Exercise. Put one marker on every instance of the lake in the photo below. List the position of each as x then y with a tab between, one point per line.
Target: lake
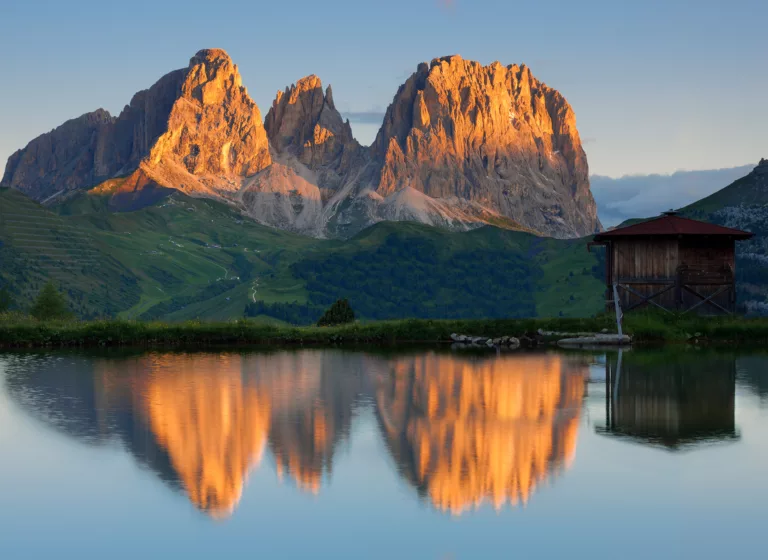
372	454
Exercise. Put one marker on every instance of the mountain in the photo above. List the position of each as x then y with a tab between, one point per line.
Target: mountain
487	139
461	145
195	130
186	258
743	205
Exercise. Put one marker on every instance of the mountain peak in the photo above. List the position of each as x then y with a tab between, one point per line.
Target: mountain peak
192	121
207	56
490	134
462	144
303	120
450	59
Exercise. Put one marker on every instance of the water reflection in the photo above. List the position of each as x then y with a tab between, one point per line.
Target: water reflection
461	430
752	371
464	432
675	400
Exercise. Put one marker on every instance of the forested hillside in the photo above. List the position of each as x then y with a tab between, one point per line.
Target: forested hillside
187	258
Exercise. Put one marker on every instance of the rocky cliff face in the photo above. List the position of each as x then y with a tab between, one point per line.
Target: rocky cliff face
461	145
314	157
304	122
195	130
491	135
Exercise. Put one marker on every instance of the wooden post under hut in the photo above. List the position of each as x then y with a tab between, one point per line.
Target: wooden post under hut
672	263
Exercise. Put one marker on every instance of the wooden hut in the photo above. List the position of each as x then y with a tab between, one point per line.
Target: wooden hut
672	263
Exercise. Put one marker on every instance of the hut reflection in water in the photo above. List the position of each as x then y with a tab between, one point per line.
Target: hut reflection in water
670	401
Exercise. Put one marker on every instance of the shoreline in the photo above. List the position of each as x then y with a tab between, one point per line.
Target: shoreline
646	329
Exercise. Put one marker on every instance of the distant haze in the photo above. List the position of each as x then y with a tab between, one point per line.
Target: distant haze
639	196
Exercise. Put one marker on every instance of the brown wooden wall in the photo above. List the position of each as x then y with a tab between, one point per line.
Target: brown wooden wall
645	258
648	265
709	254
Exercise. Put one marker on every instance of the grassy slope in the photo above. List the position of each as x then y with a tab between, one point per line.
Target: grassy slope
744	191
171	269
197	249
37	245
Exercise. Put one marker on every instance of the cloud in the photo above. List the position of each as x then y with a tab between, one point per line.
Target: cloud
641	196
365	117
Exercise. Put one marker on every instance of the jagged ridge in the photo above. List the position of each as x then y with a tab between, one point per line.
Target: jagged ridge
461	145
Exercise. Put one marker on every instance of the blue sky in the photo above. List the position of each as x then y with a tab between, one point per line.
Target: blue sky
656	86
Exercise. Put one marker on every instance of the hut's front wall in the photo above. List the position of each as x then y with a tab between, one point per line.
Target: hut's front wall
645	259
710	267
709	255
646	266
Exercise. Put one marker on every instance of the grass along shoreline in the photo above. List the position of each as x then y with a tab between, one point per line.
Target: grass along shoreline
23	332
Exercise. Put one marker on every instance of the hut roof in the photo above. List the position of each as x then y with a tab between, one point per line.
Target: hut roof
670	224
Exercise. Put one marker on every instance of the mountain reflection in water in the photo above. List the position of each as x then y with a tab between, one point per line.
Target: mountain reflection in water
462	430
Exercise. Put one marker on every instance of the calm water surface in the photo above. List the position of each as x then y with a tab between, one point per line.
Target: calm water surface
333	454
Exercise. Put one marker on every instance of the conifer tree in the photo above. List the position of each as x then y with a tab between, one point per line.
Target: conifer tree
50	304
338	314
5	299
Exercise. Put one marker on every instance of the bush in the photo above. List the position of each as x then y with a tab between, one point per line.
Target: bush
50	304
338	314
5	300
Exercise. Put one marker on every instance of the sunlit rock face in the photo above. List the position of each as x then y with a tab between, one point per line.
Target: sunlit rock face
494	136
461	145
304	122
466	432
195	130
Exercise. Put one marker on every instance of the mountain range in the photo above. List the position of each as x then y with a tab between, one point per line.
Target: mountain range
473	201
461	145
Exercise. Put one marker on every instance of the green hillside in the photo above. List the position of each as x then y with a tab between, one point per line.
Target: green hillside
186	258
743	205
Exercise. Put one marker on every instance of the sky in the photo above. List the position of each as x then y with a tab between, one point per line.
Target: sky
657	86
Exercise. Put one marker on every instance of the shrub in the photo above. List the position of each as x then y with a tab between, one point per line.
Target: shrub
338	314
50	304
5	300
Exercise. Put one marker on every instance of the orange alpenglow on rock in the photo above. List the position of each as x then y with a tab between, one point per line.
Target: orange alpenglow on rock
195	130
466	432
213	426
461	145
304	122
493	135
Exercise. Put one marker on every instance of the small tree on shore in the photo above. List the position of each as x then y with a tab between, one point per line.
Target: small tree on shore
50	304
5	300
338	314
